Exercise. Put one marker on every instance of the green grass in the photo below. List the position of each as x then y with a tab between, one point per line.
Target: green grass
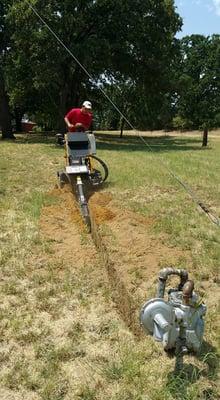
139	179
37	299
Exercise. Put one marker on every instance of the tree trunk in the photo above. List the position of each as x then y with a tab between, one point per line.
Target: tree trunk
64	94
18	117
122	126
5	116
69	92
205	137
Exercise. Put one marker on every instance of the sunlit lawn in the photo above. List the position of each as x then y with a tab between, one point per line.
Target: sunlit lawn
138	180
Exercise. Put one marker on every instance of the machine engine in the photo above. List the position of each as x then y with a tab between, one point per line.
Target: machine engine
178	321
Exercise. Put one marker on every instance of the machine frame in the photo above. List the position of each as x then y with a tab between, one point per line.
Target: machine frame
80	170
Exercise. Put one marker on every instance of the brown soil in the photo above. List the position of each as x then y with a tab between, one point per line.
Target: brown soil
86	315
139	255
134	258
130	255
98	204
62	224
113	290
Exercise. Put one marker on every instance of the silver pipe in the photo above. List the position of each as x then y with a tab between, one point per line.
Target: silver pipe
164	274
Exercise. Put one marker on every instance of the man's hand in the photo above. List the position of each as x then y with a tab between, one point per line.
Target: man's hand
79	125
70	126
68	123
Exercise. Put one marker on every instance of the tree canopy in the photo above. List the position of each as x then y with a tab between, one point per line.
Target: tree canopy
129	49
113	39
198	75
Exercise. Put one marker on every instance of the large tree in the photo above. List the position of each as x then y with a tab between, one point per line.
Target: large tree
198	93
5	115
111	38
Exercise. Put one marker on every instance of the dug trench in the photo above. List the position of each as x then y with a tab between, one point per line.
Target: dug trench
129	255
101	285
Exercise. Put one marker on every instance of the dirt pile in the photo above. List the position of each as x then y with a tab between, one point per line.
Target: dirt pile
86	326
124	269
133	258
62	224
130	255
98	204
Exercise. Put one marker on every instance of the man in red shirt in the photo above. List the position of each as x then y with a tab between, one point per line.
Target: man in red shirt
79	119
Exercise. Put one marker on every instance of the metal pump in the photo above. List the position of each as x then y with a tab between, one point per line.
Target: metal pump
178	321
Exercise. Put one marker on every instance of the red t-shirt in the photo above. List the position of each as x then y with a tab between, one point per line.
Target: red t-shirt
77	116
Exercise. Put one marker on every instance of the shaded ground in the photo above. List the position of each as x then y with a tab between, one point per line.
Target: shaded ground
152	143
156	141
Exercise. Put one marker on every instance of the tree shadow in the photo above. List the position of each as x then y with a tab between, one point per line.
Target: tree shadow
153	143
36	138
178	382
128	143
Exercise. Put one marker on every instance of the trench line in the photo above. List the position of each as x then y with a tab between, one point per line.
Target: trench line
121	296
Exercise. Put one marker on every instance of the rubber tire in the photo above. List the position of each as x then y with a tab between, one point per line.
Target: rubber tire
103	165
62	179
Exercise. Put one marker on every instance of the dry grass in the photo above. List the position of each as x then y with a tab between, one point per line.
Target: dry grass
61	336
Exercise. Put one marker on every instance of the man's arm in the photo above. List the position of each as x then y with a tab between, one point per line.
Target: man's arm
68	123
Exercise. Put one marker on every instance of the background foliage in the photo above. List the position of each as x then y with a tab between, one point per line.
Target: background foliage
130	50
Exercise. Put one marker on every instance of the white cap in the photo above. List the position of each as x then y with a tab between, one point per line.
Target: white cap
87	104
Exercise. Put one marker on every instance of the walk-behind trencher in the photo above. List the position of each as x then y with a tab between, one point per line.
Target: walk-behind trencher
84	171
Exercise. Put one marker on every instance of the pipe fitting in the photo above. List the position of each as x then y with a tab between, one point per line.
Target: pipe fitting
188	291
165	273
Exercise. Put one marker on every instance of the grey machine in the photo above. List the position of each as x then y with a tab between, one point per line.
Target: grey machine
177	321
83	168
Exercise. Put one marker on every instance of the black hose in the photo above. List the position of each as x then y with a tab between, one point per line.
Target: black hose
103	165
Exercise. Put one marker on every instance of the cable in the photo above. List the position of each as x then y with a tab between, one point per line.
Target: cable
215	219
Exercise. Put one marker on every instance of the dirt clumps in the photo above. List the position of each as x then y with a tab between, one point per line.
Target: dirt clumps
135	261
62	224
131	257
98	204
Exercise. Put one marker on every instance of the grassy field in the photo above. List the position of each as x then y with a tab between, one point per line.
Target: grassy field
147	187
61	335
